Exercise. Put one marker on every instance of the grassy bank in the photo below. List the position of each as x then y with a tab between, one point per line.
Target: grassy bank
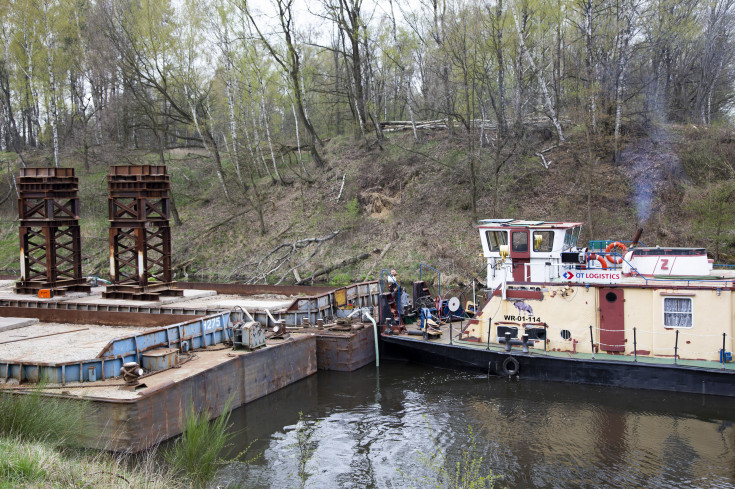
33	463
38	448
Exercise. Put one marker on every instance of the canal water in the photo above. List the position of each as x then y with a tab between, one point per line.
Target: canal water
391	427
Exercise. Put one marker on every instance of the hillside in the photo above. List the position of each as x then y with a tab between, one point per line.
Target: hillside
409	203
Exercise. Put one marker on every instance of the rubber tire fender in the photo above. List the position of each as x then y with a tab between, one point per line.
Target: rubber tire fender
510	366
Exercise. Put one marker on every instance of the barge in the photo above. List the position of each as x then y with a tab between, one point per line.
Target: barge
210	343
614	314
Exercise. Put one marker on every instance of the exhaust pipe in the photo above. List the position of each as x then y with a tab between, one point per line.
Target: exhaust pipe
636	238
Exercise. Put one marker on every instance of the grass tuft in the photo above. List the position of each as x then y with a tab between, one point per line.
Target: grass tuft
197	452
35	416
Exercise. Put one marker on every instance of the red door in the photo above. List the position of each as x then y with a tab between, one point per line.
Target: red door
520	254
612	319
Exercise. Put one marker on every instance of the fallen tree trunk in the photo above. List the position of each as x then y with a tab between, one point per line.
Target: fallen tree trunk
336	266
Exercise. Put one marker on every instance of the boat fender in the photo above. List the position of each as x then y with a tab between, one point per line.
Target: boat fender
617	260
510	366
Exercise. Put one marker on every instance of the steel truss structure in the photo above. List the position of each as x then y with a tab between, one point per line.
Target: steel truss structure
140	236
50	242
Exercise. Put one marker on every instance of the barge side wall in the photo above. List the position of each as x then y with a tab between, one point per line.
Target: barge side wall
160	412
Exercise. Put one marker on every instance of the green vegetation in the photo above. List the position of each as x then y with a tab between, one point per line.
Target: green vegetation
39	437
33	416
25	463
468	472
197	452
304	447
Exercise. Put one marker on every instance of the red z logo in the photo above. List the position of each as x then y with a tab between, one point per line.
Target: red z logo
664	263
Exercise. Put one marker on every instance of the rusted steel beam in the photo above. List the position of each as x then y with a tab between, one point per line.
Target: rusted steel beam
104	318
50	239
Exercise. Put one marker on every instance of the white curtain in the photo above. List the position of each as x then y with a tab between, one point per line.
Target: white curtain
677	312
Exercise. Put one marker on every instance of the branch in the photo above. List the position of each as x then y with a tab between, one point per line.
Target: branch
270	264
337	266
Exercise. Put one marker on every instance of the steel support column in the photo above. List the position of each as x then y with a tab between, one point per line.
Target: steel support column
140	236
50	242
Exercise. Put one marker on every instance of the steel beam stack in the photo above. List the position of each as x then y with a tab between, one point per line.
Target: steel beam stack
50	242
140	236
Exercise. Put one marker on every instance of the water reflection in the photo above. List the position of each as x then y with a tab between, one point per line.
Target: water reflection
371	427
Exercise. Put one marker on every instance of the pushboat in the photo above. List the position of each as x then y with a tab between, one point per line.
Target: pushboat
614	313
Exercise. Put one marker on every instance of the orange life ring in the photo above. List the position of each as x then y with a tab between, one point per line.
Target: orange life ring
593	256
616	260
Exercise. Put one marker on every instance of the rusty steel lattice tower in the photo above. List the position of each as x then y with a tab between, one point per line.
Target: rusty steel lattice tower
140	236
50	242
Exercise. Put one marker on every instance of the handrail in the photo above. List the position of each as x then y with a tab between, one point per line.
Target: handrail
439	290
722	282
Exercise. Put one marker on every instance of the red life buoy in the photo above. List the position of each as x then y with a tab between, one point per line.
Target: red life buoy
593	256
617	260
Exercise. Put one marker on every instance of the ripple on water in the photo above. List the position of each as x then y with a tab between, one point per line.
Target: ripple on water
378	431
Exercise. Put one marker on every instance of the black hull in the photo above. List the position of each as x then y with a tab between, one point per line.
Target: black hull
627	374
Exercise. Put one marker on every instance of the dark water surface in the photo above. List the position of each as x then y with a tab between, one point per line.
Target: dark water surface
371	427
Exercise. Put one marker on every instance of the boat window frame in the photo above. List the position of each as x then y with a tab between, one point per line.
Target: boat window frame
551	241
690	312
521	246
498	245
570	238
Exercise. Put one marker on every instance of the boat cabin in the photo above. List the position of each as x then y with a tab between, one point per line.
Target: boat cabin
602	299
526	251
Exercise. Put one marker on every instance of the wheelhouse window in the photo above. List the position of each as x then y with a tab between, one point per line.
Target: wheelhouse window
678	312
543	241
496	239
520	241
571	237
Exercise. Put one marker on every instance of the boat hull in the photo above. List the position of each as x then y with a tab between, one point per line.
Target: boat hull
635	375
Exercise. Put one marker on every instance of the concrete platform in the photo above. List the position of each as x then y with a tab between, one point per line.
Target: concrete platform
9	323
58	342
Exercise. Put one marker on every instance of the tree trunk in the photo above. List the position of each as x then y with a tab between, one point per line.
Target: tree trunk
542	81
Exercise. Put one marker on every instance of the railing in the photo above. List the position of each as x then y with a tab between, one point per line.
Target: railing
722	282
674	351
439	274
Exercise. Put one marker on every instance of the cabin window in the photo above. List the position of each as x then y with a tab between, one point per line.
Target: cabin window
543	241
496	239
571	237
520	241
677	312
